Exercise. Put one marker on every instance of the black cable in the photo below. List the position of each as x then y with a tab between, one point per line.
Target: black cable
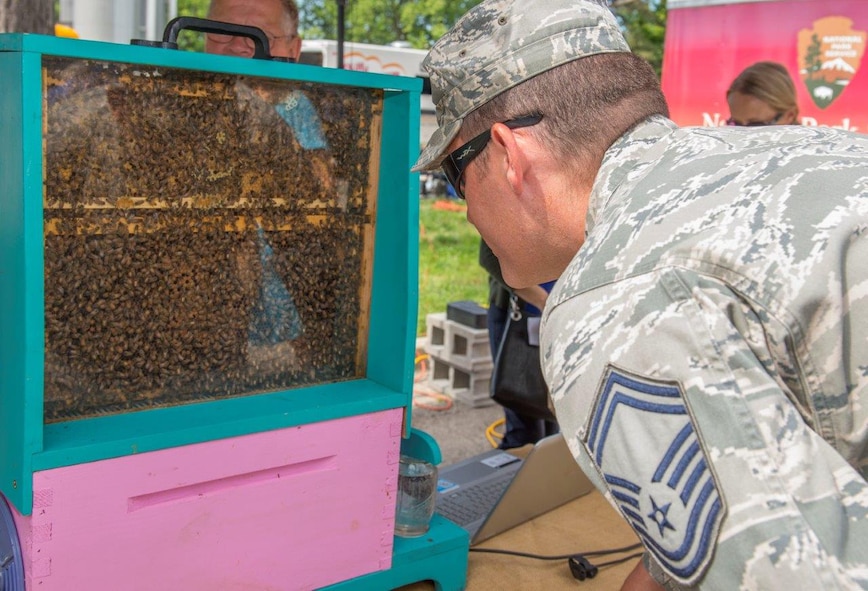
521	554
612	551
580	567
563	556
620	560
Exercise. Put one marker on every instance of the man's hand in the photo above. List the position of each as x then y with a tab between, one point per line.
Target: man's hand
533	295
640	580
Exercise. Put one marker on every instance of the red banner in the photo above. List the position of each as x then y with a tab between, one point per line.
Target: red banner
821	42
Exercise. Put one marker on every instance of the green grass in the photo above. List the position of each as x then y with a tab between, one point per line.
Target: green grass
449	268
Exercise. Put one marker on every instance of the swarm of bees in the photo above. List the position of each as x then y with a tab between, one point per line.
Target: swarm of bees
195	248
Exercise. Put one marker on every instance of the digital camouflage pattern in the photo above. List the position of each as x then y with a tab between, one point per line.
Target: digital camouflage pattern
501	43
707	352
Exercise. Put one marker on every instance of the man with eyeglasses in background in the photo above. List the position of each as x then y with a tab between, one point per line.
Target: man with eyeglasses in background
706	342
278	20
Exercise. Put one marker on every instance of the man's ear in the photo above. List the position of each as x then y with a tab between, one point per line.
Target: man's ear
295	47
507	147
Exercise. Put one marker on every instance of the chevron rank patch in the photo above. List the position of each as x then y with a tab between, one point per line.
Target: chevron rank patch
641	436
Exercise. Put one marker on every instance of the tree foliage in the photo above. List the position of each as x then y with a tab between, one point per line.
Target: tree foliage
644	24
366	21
189	40
420	23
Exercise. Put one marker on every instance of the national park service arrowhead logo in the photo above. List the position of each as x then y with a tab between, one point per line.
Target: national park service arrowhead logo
829	56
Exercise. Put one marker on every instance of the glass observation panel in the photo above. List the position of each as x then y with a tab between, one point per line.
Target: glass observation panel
206	235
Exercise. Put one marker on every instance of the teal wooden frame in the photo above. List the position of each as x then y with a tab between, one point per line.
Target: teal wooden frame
26	443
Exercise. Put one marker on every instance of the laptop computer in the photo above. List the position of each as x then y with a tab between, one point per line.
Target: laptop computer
495	491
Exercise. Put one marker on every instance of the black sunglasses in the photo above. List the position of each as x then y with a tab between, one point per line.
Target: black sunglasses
733	122
456	161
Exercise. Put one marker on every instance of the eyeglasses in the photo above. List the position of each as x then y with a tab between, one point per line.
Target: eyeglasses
248	42
732	122
456	161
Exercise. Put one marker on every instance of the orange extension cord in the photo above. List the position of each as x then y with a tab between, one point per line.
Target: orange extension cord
424	397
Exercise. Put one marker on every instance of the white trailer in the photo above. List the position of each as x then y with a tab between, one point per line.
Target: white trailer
382	59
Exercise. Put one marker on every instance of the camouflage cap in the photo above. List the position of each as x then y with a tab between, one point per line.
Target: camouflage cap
501	43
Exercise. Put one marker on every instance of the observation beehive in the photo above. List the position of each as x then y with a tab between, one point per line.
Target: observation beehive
210	288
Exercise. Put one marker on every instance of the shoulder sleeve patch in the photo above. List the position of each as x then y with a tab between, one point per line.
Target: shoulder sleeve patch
641	436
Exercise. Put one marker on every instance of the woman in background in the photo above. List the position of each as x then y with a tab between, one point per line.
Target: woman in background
763	94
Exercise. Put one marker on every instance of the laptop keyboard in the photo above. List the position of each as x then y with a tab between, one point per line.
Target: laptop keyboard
466	506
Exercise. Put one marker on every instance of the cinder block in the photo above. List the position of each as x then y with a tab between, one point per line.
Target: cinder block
466	347
470	387
476	383
439	375
459	345
435	333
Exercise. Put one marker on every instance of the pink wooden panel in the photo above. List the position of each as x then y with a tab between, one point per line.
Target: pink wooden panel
291	509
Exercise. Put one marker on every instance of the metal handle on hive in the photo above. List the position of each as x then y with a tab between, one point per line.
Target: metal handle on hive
261	49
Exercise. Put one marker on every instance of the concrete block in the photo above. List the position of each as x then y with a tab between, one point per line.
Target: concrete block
466	346
470	387
435	334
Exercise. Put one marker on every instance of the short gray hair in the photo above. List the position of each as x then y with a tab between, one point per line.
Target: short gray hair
290	11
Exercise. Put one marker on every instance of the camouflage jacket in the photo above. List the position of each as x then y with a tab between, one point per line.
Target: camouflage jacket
707	352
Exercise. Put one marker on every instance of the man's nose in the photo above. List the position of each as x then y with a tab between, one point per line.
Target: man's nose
241	46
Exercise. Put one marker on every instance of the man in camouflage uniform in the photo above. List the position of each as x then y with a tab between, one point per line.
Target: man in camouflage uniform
706	345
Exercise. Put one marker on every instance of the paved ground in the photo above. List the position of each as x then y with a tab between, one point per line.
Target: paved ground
458	427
